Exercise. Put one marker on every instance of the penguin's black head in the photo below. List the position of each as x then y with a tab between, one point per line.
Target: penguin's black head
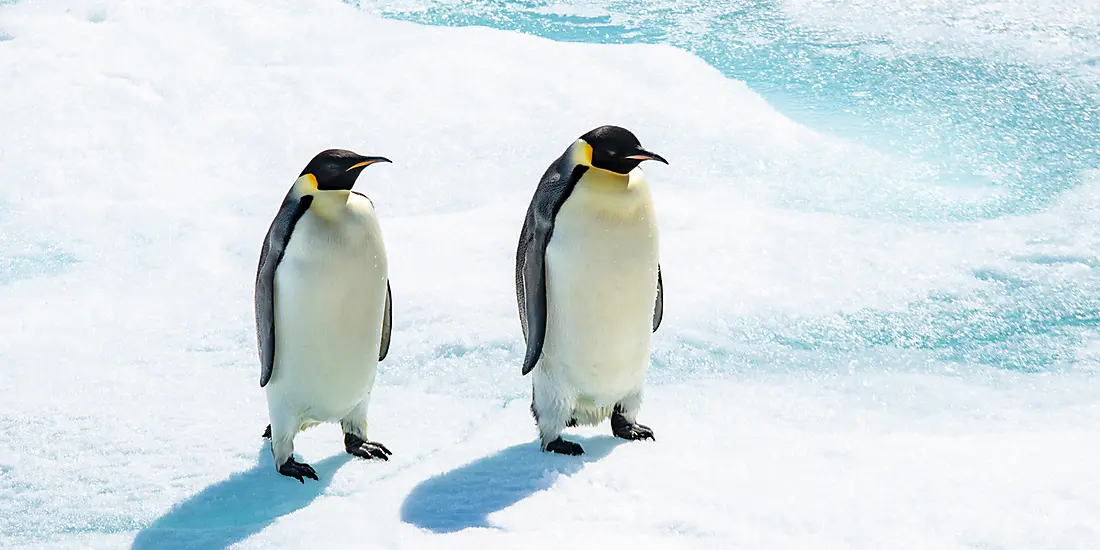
336	169
617	150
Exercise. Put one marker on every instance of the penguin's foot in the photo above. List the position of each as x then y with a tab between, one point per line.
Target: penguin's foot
564	447
365	449
267	432
297	470
632	431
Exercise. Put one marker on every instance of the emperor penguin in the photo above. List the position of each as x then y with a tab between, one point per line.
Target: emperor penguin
323	309
589	289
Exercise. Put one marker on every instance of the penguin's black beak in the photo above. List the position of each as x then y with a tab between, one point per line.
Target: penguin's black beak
642	154
367	161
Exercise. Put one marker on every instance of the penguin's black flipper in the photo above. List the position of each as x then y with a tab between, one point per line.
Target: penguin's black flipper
278	235
387	325
659	308
556	185
534	299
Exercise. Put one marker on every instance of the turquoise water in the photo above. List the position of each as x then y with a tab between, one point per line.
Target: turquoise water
1024	129
1027	130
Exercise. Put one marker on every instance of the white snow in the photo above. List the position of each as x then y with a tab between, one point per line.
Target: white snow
806	391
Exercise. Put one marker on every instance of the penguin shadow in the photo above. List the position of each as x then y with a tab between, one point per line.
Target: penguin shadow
232	510
466	496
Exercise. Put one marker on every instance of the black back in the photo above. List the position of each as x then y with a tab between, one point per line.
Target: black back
556	185
278	235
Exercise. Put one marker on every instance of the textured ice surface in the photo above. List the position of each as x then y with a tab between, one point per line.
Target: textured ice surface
875	336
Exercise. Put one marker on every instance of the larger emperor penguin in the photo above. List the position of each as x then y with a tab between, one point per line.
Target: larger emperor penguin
589	288
322	309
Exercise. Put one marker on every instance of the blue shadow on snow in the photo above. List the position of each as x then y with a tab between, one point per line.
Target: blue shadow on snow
464	497
230	511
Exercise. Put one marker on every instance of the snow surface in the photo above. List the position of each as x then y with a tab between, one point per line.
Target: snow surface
841	365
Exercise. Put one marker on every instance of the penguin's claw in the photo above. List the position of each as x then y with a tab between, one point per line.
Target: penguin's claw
357	446
631	431
636	432
564	447
297	470
369	450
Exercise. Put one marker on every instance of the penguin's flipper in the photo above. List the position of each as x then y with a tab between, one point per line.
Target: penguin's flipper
387	325
278	235
534	297
556	185
659	308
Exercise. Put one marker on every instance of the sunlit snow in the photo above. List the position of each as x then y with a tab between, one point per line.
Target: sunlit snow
882	288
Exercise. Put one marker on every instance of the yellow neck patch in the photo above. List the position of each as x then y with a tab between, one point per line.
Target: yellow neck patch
306	185
581	153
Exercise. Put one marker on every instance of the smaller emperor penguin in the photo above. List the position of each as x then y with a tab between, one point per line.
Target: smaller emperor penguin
589	288
323	313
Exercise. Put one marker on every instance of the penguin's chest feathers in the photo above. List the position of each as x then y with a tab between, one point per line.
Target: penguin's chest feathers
330	290
602	286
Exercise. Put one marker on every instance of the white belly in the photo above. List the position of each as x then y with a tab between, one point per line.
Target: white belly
330	293
601	268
